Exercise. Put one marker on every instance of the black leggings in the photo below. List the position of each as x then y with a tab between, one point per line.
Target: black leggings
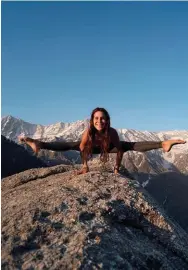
125	146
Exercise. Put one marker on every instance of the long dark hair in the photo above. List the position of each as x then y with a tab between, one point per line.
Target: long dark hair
105	134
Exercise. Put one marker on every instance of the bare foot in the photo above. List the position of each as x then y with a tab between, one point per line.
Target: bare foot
167	145
34	144
82	171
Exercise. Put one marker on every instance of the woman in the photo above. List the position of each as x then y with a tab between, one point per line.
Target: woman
100	138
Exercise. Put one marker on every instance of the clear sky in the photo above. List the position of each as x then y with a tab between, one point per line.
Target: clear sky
60	60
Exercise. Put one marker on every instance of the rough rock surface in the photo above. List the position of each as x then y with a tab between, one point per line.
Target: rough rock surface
52	219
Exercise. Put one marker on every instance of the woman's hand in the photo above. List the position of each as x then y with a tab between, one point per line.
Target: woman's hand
85	169
116	170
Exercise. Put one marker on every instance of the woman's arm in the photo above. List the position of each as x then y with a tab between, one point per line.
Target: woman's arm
82	146
84	140
114	138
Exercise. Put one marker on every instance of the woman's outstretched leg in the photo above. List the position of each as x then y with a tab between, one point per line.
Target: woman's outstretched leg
150	145
37	145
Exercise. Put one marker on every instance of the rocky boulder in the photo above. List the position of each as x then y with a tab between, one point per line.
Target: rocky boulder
52	219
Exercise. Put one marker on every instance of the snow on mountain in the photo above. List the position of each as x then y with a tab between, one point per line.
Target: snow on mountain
177	159
12	127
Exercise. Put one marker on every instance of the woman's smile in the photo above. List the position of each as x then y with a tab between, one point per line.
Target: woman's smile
99	120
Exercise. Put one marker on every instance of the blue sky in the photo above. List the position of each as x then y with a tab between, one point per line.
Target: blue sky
60	60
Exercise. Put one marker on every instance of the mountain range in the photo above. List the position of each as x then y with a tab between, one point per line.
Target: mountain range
152	162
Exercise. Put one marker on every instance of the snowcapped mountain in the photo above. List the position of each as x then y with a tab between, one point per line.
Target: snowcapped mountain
150	162
12	127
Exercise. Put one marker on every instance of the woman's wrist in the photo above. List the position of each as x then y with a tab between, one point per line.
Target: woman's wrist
116	167
85	166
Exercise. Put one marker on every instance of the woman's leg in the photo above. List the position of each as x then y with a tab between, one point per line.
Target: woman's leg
60	146
140	146
36	145
147	145
144	146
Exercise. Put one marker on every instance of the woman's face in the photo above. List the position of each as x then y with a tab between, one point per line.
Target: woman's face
99	121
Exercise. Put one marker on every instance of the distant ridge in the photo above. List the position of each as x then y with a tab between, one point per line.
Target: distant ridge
15	159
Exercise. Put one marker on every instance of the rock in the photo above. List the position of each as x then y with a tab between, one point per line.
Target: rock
52	219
